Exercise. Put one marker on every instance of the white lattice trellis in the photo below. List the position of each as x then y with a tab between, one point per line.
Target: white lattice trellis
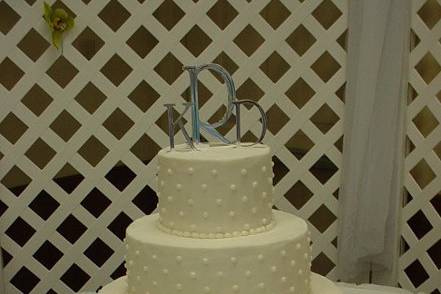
92	115
421	221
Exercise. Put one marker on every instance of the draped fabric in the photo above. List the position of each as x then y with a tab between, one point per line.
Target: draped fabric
377	71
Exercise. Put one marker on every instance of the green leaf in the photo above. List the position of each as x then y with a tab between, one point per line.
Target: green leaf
70	23
47	13
57	38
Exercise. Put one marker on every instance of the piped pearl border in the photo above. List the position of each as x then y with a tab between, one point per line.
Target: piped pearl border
196	235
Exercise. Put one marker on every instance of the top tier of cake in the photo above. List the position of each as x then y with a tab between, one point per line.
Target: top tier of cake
215	191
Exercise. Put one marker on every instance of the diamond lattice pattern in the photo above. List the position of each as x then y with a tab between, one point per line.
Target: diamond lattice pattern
421	215
79	131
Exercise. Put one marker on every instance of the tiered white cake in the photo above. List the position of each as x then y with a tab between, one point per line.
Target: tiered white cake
216	231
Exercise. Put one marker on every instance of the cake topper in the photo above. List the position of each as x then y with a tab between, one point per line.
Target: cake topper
232	104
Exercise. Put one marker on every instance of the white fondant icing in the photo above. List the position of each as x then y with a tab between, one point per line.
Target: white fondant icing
229	171
207	257
203	249
318	285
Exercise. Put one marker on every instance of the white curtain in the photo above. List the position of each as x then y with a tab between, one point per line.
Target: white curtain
378	50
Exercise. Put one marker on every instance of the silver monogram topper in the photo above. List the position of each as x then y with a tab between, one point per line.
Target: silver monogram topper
196	123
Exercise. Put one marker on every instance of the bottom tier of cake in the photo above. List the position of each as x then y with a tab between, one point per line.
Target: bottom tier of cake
319	285
277	261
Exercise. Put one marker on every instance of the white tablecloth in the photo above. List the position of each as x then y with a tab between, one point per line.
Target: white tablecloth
370	289
352	289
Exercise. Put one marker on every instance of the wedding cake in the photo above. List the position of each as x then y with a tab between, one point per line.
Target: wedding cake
216	230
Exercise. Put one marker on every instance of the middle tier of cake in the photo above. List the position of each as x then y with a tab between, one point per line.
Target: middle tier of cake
276	261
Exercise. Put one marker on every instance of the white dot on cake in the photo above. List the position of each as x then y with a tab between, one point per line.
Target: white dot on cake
190	170
205	260
193	275
220	274
233	187
264	195
254	184
205	214
243	172
181	213
207	289
130	262
170	198
145	268
283	279
273	268
179	286
263	168
235	288
214	172
165	271
170	171
155	283
171	224
137	252
162	183
178	259
246	226
248	273
190	202
261	285
204	186
154	256
178	187
299	246
232	213
293	262
244	198
264	221
292	289
254	210
219	201
233	259
260	257
300	272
